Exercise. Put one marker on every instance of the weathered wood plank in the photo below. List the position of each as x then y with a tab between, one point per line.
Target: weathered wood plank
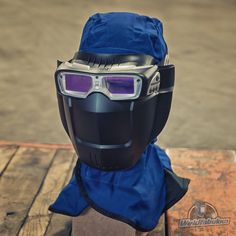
211	195
60	225
93	223
39	216
19	185
6	154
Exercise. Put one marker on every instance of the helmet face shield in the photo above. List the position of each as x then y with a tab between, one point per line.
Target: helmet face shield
113	106
114	86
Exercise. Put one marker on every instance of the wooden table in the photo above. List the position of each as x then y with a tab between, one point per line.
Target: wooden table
32	175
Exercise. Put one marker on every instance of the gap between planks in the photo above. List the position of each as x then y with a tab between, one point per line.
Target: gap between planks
7	152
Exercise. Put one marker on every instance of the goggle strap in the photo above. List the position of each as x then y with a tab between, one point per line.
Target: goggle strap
167	77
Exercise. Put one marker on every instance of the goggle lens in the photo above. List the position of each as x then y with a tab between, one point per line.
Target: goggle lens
116	87
120	85
78	83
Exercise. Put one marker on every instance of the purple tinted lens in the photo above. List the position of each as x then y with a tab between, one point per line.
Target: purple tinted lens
120	85
78	83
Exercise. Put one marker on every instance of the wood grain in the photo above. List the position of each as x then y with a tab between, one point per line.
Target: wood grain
19	185
6	153
93	223
61	225
39	216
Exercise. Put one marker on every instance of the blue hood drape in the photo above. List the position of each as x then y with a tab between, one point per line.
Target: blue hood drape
137	196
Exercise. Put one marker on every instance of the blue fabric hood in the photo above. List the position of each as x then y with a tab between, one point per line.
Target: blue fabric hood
137	196
122	32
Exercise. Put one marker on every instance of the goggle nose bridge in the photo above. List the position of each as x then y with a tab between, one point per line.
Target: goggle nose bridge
98	82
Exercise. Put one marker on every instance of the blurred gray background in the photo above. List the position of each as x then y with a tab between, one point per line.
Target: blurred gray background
201	35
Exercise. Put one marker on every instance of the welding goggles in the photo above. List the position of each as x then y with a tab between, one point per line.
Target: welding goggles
135	76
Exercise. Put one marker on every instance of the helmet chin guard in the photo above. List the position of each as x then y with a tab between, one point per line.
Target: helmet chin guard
112	134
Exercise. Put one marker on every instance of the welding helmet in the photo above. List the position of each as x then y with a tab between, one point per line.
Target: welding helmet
115	94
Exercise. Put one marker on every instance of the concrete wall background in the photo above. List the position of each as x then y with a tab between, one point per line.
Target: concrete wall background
201	35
